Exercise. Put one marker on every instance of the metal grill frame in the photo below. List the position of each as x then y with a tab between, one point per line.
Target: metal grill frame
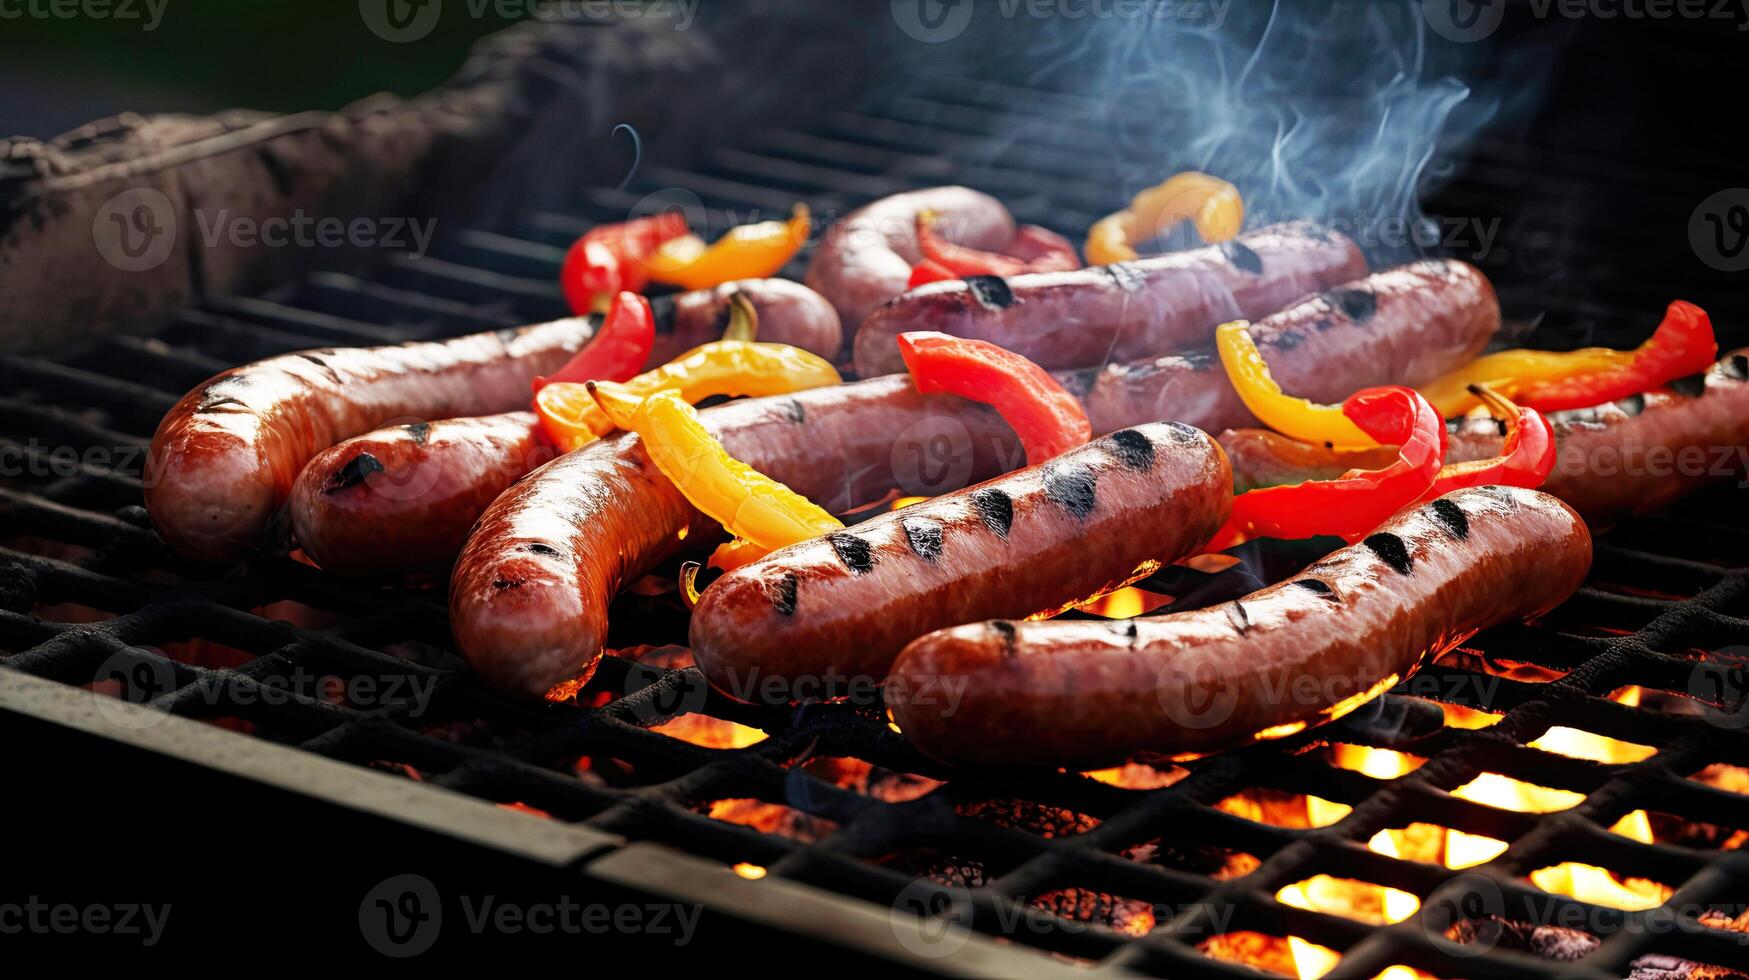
835	890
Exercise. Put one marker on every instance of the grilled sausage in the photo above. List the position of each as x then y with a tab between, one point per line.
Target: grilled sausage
1118	312
866	259
530	591
1407	325
397	503
224	458
817	618
1612	461
789	313
1268	665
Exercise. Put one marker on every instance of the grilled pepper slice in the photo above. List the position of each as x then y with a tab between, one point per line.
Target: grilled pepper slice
1526	458
1211	203
753	507
1035	250
1551	381
608	260
618	350
755	251
1355	503
732	366
1300	418
1048	420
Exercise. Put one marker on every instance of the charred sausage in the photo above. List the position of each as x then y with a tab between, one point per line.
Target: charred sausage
397	503
866	259
1614	460
530	591
820	617
1118	312
1268	665
224	458
1407	325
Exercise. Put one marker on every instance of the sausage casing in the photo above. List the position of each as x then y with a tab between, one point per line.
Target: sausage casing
824	616
1268	665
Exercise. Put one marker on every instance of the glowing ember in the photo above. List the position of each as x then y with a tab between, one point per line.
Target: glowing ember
710	733
1731	779
1577	744
1506	793
1126	603
1134	775
1311	960
1281	809
1589	883
566	690
907	501
521	807
1272	953
1468	850
1458	716
1636	825
1377	763
772	818
752	872
1358	900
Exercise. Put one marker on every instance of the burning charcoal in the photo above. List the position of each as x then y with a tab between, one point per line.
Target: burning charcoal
1655	966
1549	942
1099	908
1035	818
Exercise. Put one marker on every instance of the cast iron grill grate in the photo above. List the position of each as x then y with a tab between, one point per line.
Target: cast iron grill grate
1153	870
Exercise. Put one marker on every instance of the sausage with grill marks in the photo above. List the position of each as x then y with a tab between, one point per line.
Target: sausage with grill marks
1407	325
789	313
530	592
1119	312
1295	654
396	504
1614	460
224	458
815	618
866	259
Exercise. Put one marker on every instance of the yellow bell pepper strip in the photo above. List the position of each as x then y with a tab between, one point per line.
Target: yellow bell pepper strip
750	505
732	366
1551	381
1358	501
1211	203
756	251
1299	418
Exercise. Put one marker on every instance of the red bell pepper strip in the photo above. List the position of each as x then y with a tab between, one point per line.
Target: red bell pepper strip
1352	505
1035	250
1047	418
618	350
928	271
1526	458
1682	345
609	260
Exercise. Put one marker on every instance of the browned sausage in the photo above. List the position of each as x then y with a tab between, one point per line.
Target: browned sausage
828	615
224	458
866	259
530	592
397	503
1292	655
1614	460
1120	312
789	313
1407	325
